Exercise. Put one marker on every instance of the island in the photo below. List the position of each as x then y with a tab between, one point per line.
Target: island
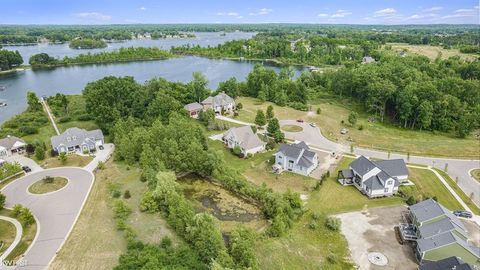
86	43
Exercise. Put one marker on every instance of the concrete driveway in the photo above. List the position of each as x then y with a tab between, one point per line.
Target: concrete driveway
55	212
25	161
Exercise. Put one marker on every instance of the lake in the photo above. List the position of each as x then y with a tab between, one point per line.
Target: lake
72	79
203	39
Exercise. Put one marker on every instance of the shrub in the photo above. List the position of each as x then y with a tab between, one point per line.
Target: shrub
319	111
333	223
2	201
28	130
116	193
298	106
239	106
64	119
332	258
101	165
63	158
411	200
84	117
40	152
237	151
17	208
360	127
48	179
126	194
270	145
312	225
26	216
316	216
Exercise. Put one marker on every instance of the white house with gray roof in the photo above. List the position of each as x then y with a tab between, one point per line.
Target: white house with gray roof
77	140
297	158
438	234
11	145
219	102
193	109
375	178
244	137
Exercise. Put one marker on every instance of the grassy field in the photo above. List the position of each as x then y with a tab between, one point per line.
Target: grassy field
431	52
476	174
7	235
466	199
43	186
428	185
72	160
292	128
27	238
376	135
95	242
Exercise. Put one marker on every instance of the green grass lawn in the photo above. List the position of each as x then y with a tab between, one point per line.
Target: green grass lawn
428	185
72	160
7	235
28	235
377	135
466	199
476	174
43	186
292	128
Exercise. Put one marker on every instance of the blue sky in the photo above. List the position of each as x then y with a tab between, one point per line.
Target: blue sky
239	11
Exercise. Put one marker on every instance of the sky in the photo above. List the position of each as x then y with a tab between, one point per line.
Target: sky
240	11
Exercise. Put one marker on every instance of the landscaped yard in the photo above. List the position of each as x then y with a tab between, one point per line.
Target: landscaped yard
476	174
28	235
72	160
376	135
47	185
95	242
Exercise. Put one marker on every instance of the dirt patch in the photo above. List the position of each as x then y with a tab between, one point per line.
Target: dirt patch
473	231
372	230
325	163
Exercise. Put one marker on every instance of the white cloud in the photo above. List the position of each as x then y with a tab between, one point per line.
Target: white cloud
422	16
95	16
463	12
387	12
341	13
432	9
230	14
263	11
143	8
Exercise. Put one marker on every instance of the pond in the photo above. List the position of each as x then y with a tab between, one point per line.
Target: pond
72	79
230	209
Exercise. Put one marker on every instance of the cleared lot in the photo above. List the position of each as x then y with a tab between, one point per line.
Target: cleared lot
372	230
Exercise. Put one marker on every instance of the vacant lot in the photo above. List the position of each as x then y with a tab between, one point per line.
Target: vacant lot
432	52
383	136
372	230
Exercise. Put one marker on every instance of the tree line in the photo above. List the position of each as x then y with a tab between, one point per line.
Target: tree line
9	59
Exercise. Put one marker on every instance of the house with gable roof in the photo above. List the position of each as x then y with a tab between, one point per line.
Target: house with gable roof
11	145
77	140
219	103
297	158
244	137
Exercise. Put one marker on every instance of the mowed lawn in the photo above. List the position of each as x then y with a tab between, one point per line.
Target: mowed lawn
95	242
376	135
73	160
432	52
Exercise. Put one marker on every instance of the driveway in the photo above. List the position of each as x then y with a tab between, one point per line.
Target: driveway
55	212
25	161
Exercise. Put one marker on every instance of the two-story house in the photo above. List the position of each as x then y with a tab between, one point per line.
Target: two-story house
243	137
77	140
375	178
219	103
11	145
297	158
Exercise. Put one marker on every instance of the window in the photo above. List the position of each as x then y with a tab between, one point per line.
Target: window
389	182
290	161
74	138
386	190
69	139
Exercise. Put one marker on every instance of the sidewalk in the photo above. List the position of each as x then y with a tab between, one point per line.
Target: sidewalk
50	116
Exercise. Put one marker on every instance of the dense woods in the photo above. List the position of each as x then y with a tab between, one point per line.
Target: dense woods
9	59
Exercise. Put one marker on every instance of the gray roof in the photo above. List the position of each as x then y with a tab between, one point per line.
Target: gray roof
373	183
221	99
299	152
444	239
245	136
394	167
347	173
441	226
430	209
193	107
362	165
290	151
446	264
76	136
9	141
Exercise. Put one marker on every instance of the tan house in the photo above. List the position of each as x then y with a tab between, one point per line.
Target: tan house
11	145
219	103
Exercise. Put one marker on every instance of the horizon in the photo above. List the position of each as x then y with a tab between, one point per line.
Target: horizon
340	12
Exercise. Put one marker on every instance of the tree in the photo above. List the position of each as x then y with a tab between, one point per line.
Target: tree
352	118
63	158
260	118
207	117
237	151
10	59
33	102
242	244
40	152
41	59
199	86
206	237
229	87
3	199
273	126
425	114
270	113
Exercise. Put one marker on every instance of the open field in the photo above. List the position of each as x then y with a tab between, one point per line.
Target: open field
42	186
72	160
476	174
375	135
95	242
27	237
428	185
432	52
466	199
7	235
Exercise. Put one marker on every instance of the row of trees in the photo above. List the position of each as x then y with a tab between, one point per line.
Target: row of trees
87	43
10	59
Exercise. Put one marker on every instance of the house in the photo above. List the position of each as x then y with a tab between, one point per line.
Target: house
368	60
76	139
244	137
437	234
375	178
296	158
193	109
446	264
11	145
219	103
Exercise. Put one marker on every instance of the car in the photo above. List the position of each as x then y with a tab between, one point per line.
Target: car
100	147
462	213
300	120
313	125
26	169
344	131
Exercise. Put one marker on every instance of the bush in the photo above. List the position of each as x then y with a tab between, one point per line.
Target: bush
237	151
270	145
64	119
239	106
298	106
48	180
101	165
40	152
27	130
312	225
17	208
319	111
126	194
411	200
3	198
26	217
360	127
333	223
332	258
84	117
116	193
316	216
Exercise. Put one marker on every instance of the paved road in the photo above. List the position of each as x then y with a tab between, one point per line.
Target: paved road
18	237
457	168
56	212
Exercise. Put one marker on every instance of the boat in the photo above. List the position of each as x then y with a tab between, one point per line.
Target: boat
3	103
2	87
